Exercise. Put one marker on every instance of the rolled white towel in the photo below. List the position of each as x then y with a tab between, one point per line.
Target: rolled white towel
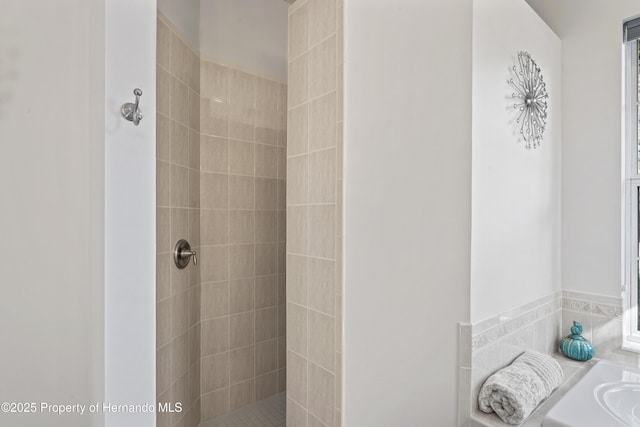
515	391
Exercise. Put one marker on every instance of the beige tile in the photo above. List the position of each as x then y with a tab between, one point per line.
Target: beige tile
194	71
194	189
266	135
194	110
242	364
282	195
266	161
282	380
215	336
163	137
266	197
282	133
321	394
266	385
266	291
322	223
282	258
298	81
163	91
322	122
282	287
338	382
163	184
314	422
321	285
179	102
241	330
195	342
194	228
179	186
297	378
193	390
179	314
340	93
296	414
322	176
282	162
241	122
214	226
297	225
321	340
214	300
282	352
179	225
242	295
241	225
214	80
215	403
163	230
179	280
179	58
214	263
322	68
214	191
282	100
241	157
266	94
214	372
267	357
299	31
194	149
266	324
214	154
164	45
242	259
164	419
214	117
322	20
297	329
194	307
241	87
242	190
266	226
282	224
266	259
297	184
163	276
163	322
163	369
282	320
179	356
242	394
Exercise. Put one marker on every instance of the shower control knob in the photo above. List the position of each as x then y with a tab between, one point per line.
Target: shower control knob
182	254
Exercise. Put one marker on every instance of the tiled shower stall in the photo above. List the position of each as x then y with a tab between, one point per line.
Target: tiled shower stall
261	313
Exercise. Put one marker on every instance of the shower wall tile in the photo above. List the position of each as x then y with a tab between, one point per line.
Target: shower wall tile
178	217
243	211
314	214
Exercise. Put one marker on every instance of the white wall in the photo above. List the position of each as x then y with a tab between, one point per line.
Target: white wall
591	34
246	34
52	199
407	208
185	15
130	211
515	249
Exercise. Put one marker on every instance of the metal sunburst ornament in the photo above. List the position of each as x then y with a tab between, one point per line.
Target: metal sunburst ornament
531	99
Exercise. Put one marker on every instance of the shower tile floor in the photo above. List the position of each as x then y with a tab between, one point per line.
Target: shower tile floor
269	412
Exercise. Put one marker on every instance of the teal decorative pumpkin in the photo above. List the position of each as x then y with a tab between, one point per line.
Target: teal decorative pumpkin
575	346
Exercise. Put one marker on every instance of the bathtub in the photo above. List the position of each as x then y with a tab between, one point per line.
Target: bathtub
607	396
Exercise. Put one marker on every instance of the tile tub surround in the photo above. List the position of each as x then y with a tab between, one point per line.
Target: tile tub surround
493	343
178	216
314	214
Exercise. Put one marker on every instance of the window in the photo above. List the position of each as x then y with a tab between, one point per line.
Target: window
631	320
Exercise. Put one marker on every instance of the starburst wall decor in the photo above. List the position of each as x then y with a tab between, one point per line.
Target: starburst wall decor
531	100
